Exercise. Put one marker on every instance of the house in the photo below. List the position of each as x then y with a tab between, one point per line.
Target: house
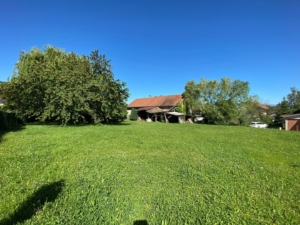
155	107
291	122
263	109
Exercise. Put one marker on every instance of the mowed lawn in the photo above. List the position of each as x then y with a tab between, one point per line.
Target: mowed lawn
149	173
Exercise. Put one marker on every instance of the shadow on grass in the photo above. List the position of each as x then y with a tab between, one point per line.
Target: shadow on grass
118	124
79	124
12	129
295	165
47	193
140	222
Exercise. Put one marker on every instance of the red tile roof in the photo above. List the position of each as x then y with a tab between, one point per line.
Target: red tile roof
262	106
170	100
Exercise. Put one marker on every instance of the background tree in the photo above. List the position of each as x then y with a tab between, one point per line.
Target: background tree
289	104
283	107
249	110
52	85
218	102
190	96
181	107
294	99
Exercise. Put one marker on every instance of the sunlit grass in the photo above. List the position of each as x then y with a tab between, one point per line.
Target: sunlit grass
162	173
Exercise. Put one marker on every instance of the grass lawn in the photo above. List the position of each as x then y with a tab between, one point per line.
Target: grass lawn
159	173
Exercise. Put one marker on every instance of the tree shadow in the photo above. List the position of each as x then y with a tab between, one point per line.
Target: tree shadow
295	165
11	129
46	193
121	123
118	124
140	222
9	123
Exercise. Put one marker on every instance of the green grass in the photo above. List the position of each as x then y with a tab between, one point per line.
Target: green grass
161	173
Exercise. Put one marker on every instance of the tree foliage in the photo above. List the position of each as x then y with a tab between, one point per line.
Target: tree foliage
1	85
289	104
133	114
294	99
283	107
53	85
181	107
218	102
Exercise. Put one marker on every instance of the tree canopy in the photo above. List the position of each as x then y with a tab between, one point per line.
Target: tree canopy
289	104
294	99
219	102
53	85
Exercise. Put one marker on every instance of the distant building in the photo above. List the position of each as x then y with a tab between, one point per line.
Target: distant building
291	122
154	106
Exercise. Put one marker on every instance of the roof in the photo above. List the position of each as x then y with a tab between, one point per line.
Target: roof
262	106
145	108
160	101
291	116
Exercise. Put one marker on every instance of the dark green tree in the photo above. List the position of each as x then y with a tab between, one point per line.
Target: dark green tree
284	107
294	99
133	114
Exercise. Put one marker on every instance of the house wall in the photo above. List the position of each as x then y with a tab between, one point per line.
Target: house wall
293	124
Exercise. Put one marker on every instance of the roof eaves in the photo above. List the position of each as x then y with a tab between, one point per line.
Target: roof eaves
291	116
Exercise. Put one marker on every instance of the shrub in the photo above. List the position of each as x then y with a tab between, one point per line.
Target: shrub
7	120
133	114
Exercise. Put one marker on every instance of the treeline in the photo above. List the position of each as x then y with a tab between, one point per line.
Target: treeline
224	102
67	88
290	104
229	102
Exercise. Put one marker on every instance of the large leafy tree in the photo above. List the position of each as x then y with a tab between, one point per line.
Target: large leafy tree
249	110
294	99
284	107
53	85
218	102
289	104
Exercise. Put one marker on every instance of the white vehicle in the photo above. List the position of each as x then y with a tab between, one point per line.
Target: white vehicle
198	119
258	125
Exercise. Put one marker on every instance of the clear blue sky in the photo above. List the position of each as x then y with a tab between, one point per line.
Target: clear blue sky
156	46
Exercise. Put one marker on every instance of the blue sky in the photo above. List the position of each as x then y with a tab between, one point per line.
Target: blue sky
156	46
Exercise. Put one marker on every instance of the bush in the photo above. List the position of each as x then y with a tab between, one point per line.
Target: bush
7	120
133	114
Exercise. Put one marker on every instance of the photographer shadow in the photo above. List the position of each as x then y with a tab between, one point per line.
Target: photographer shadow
46	193
140	222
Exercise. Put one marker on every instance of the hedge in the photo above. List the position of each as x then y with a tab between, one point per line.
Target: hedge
7	120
